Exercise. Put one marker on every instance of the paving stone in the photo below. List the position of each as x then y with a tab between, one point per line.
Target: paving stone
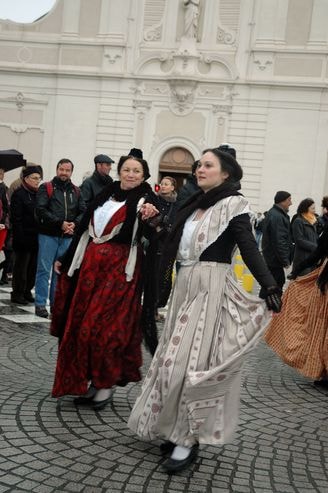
281	445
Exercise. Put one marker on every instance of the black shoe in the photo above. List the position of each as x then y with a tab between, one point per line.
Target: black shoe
86	400
29	297
83	401
172	466
99	405
321	383
18	299
167	447
41	311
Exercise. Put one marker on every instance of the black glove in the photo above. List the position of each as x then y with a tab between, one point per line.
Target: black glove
272	297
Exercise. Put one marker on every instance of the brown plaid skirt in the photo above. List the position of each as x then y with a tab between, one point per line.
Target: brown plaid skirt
299	333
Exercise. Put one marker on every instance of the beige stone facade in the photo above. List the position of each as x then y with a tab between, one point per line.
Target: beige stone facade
173	77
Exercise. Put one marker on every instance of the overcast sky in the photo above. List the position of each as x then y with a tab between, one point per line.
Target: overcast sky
24	10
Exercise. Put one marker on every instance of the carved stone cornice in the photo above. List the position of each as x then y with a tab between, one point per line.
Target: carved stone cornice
142	107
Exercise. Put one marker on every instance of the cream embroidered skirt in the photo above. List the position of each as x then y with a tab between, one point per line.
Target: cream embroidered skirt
191	391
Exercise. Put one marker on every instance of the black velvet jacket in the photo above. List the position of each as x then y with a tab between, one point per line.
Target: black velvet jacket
240	232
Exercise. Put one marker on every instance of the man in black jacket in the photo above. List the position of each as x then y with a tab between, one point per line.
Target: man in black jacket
59	208
100	178
276	240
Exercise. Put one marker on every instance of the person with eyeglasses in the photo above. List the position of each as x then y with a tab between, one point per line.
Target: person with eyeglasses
25	236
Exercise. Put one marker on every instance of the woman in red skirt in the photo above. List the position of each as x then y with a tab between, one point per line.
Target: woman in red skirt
98	301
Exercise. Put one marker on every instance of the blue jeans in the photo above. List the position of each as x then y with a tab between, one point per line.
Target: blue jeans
50	249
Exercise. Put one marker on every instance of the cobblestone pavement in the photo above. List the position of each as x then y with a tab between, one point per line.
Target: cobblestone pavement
48	445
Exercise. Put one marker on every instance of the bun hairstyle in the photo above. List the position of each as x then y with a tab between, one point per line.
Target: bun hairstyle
143	163
228	164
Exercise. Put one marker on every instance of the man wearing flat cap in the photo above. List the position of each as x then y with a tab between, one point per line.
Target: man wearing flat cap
99	179
277	246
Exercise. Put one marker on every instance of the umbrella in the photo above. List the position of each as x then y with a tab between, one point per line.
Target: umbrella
11	159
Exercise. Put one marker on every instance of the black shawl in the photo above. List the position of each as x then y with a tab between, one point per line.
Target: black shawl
132	198
113	190
199	200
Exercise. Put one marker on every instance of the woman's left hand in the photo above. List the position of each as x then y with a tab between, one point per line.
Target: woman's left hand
147	211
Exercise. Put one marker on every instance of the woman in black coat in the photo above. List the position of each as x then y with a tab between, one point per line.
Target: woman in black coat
25	236
305	235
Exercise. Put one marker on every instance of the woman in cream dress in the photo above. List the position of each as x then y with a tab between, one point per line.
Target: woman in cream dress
190	395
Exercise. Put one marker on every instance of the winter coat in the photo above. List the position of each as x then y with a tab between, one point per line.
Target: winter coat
188	189
94	185
4	205
24	223
276	240
306	241
65	204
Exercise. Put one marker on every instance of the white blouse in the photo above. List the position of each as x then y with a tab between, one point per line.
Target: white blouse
104	214
185	242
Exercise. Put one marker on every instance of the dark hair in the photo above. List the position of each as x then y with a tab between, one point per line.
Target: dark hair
324	202
228	164
304	205
143	163
194	166
64	160
172	180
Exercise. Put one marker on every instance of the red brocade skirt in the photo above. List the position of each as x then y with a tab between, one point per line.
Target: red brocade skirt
102	336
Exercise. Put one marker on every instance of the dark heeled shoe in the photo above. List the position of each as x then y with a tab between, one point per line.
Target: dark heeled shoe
99	405
167	447
172	466
86	400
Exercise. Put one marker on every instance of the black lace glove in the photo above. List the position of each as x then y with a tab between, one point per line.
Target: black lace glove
272	297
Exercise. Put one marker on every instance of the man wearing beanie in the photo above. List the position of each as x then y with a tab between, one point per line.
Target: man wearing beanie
99	179
277	241
25	235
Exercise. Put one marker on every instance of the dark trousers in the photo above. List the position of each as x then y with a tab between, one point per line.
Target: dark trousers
24	272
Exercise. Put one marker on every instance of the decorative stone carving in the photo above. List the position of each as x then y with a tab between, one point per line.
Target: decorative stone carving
262	64
141	107
154	33
112	57
225	37
19	101
20	128
222	108
182	96
24	54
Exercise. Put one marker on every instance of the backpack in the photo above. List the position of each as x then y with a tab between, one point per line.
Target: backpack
50	189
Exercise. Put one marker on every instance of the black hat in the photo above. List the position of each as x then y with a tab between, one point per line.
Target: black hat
281	196
228	148
102	158
29	170
136	153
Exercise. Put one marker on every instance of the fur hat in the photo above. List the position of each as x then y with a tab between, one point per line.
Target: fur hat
29	170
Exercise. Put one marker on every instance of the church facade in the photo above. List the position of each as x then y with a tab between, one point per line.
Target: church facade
173	77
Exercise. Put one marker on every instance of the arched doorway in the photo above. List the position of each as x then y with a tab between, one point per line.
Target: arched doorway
176	162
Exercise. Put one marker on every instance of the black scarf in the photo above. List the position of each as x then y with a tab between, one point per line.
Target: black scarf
199	200
113	190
